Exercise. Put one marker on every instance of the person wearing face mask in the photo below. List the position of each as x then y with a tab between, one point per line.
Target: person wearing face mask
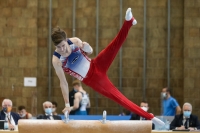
144	106
8	115
54	107
47	106
186	120
23	114
170	106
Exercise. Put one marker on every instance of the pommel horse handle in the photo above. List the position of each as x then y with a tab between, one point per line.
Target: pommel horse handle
104	117
66	117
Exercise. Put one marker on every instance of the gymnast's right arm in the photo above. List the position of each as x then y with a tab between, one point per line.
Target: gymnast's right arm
63	82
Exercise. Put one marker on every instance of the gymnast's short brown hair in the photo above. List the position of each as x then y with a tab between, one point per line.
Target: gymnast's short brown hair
58	35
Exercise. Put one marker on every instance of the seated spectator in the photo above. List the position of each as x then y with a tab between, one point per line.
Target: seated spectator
145	107
186	120
7	115
54	107
23	114
47	106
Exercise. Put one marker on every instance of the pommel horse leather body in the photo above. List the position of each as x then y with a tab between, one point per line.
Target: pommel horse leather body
83	126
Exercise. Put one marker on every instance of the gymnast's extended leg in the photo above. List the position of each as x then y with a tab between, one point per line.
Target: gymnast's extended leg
106	56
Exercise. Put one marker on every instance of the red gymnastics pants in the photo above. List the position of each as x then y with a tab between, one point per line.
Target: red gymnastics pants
98	80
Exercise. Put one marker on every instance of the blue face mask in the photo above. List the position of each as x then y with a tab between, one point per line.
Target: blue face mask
48	111
187	113
5	109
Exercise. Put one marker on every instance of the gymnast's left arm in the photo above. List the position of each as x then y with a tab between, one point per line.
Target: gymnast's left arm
83	45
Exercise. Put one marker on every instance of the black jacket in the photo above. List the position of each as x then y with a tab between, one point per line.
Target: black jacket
137	117
178	121
55	117
15	116
71	100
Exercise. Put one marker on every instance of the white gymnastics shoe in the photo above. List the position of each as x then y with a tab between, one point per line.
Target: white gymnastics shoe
129	16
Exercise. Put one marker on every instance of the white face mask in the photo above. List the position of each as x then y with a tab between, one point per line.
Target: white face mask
144	108
53	109
22	115
164	95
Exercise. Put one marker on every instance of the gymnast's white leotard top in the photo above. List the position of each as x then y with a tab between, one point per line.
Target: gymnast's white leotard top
77	63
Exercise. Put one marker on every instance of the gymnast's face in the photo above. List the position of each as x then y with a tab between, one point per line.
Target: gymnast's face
63	48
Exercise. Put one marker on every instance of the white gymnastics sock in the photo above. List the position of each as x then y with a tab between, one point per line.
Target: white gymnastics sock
129	16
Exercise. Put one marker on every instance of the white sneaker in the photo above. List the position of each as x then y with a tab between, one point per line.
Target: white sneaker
129	16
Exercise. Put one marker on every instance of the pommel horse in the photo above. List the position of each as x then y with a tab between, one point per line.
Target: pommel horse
84	126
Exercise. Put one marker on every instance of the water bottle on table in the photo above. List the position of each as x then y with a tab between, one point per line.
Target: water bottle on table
6	125
167	125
